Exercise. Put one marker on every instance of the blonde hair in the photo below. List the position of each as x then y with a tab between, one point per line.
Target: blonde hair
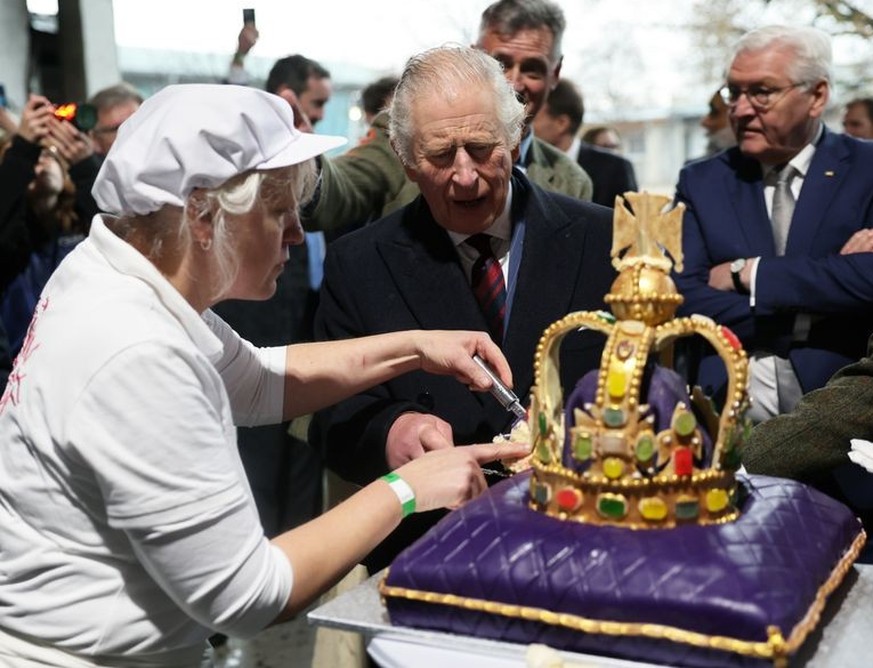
167	232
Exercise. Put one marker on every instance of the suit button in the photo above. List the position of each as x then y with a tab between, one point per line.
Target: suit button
425	399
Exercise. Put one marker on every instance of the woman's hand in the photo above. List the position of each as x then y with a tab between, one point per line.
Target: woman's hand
448	478
323	373
35	116
451	353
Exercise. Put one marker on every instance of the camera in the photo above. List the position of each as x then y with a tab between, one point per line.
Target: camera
83	116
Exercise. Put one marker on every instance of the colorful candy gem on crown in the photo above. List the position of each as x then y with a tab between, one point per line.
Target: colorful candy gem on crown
610	456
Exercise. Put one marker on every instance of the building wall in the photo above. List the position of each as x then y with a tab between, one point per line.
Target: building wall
14	49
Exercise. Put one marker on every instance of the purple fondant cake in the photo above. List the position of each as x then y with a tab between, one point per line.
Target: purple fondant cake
745	593
631	535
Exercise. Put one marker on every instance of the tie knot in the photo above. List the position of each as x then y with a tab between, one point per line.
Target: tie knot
784	173
482	243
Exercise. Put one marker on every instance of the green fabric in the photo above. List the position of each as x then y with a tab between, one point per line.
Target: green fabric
368	181
814	438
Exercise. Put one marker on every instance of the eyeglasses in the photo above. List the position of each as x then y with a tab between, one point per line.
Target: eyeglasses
760	97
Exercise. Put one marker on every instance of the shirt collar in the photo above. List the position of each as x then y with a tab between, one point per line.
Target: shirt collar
125	259
524	145
573	150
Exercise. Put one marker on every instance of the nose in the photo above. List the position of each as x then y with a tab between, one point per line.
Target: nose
742	107
293	235
465	173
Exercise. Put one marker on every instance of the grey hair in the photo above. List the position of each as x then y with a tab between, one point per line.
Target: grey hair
451	70
508	17
812	49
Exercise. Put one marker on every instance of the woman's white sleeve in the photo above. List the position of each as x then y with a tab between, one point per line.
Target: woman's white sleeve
254	377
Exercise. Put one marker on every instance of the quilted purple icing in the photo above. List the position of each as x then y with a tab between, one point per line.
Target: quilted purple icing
730	580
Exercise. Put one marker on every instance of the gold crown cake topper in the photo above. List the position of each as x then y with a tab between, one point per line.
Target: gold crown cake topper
613	463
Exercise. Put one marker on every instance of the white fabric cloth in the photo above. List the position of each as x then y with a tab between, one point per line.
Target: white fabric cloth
127	528
19	653
862	453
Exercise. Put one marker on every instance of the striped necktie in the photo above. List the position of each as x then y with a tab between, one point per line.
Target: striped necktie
488	285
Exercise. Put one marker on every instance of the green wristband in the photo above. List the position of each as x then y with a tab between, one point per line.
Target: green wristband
403	491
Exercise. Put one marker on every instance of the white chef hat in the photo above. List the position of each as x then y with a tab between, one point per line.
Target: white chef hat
191	136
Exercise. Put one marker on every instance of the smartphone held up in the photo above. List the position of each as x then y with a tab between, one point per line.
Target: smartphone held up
83	116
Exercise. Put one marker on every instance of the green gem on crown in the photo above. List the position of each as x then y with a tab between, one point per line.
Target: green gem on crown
685	423
645	448
612	506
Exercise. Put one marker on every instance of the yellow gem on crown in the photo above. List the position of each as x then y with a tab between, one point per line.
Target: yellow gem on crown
717	500
616	383
613	467
653	509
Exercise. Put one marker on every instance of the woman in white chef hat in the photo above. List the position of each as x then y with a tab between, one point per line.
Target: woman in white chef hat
128	533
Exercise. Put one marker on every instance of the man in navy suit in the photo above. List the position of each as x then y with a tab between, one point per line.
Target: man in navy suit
793	281
456	125
558	122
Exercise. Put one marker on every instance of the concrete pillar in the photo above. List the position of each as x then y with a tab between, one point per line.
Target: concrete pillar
87	46
82	56
14	50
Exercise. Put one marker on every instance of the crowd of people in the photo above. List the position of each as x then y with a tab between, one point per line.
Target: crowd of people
205	310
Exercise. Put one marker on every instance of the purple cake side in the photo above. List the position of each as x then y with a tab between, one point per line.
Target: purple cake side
731	581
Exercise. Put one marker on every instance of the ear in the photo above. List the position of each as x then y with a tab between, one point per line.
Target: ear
556	73
199	219
820	94
516	152
411	173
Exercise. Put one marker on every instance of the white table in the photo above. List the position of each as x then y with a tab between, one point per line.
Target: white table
844	641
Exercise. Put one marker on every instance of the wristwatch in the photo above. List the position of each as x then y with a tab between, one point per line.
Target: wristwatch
736	267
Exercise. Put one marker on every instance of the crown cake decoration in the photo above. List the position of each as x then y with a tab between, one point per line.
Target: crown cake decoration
614	457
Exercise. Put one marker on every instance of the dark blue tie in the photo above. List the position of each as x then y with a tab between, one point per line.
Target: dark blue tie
488	285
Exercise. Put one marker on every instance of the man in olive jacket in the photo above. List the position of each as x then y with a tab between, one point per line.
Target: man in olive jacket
368	181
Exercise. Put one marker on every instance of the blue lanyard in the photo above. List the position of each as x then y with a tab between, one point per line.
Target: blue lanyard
516	245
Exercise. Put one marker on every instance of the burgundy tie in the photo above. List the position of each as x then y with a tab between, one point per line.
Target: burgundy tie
488	285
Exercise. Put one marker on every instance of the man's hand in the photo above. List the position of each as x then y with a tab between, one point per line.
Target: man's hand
301	120
413	434
720	276
248	37
860	242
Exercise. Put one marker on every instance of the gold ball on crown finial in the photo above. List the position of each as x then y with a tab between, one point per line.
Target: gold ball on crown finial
646	294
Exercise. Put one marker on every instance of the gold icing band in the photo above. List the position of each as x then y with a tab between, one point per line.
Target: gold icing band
776	648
